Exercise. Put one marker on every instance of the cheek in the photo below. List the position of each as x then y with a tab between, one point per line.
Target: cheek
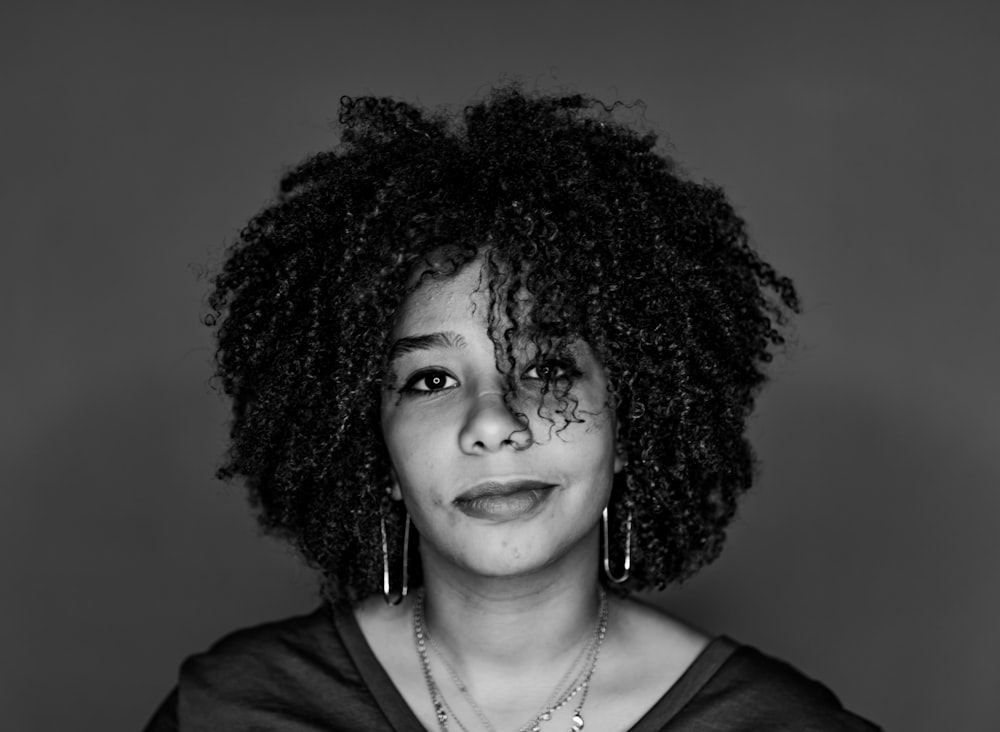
416	453
602	448
411	432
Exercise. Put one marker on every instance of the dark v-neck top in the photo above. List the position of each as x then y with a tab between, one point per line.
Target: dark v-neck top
317	672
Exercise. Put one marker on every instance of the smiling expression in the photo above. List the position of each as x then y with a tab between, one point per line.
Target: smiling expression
495	486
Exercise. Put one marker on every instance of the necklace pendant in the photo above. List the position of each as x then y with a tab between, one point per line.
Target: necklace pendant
442	715
577	723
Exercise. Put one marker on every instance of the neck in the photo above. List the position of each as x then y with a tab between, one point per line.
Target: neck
510	623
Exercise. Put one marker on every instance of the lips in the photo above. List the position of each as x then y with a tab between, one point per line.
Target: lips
503	500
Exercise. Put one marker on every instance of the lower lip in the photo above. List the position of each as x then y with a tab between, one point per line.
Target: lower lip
505	507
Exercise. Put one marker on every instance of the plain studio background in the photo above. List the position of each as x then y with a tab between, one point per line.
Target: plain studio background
859	140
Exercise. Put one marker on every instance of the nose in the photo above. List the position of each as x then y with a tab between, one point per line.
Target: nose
490	426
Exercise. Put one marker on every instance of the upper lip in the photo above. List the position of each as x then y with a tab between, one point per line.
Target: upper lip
501	488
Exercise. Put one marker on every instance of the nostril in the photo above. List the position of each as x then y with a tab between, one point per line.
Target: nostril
491	425
520	439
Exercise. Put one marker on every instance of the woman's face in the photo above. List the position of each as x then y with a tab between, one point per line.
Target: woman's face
490	494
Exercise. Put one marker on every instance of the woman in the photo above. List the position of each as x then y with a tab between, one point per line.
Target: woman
489	375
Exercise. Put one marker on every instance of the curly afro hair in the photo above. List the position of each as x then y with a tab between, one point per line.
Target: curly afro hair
614	243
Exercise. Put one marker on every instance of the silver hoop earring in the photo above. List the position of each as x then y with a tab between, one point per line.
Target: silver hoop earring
386	594
628	548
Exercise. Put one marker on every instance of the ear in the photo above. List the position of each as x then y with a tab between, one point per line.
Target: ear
621	459
621	456
394	491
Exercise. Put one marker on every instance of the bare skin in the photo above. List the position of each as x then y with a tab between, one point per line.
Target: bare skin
644	654
511	583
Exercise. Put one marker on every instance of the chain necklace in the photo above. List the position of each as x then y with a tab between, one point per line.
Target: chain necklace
561	695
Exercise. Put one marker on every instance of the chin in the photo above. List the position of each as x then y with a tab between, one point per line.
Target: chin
506	559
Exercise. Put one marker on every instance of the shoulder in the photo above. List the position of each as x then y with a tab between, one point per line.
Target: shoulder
277	675
643	623
280	647
751	690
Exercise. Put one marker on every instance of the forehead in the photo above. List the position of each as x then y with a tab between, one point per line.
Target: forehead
459	304
444	298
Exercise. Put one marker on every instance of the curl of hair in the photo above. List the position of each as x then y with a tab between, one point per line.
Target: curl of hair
616	246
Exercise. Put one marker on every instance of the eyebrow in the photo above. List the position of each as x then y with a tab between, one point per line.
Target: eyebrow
423	342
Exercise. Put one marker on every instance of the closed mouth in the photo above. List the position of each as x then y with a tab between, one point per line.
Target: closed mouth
501	488
501	501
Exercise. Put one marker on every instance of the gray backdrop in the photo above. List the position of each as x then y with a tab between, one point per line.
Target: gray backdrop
859	139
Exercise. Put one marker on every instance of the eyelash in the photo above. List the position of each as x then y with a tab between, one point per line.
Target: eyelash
410	386
565	371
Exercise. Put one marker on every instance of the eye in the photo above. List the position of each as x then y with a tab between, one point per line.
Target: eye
426	382
550	369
